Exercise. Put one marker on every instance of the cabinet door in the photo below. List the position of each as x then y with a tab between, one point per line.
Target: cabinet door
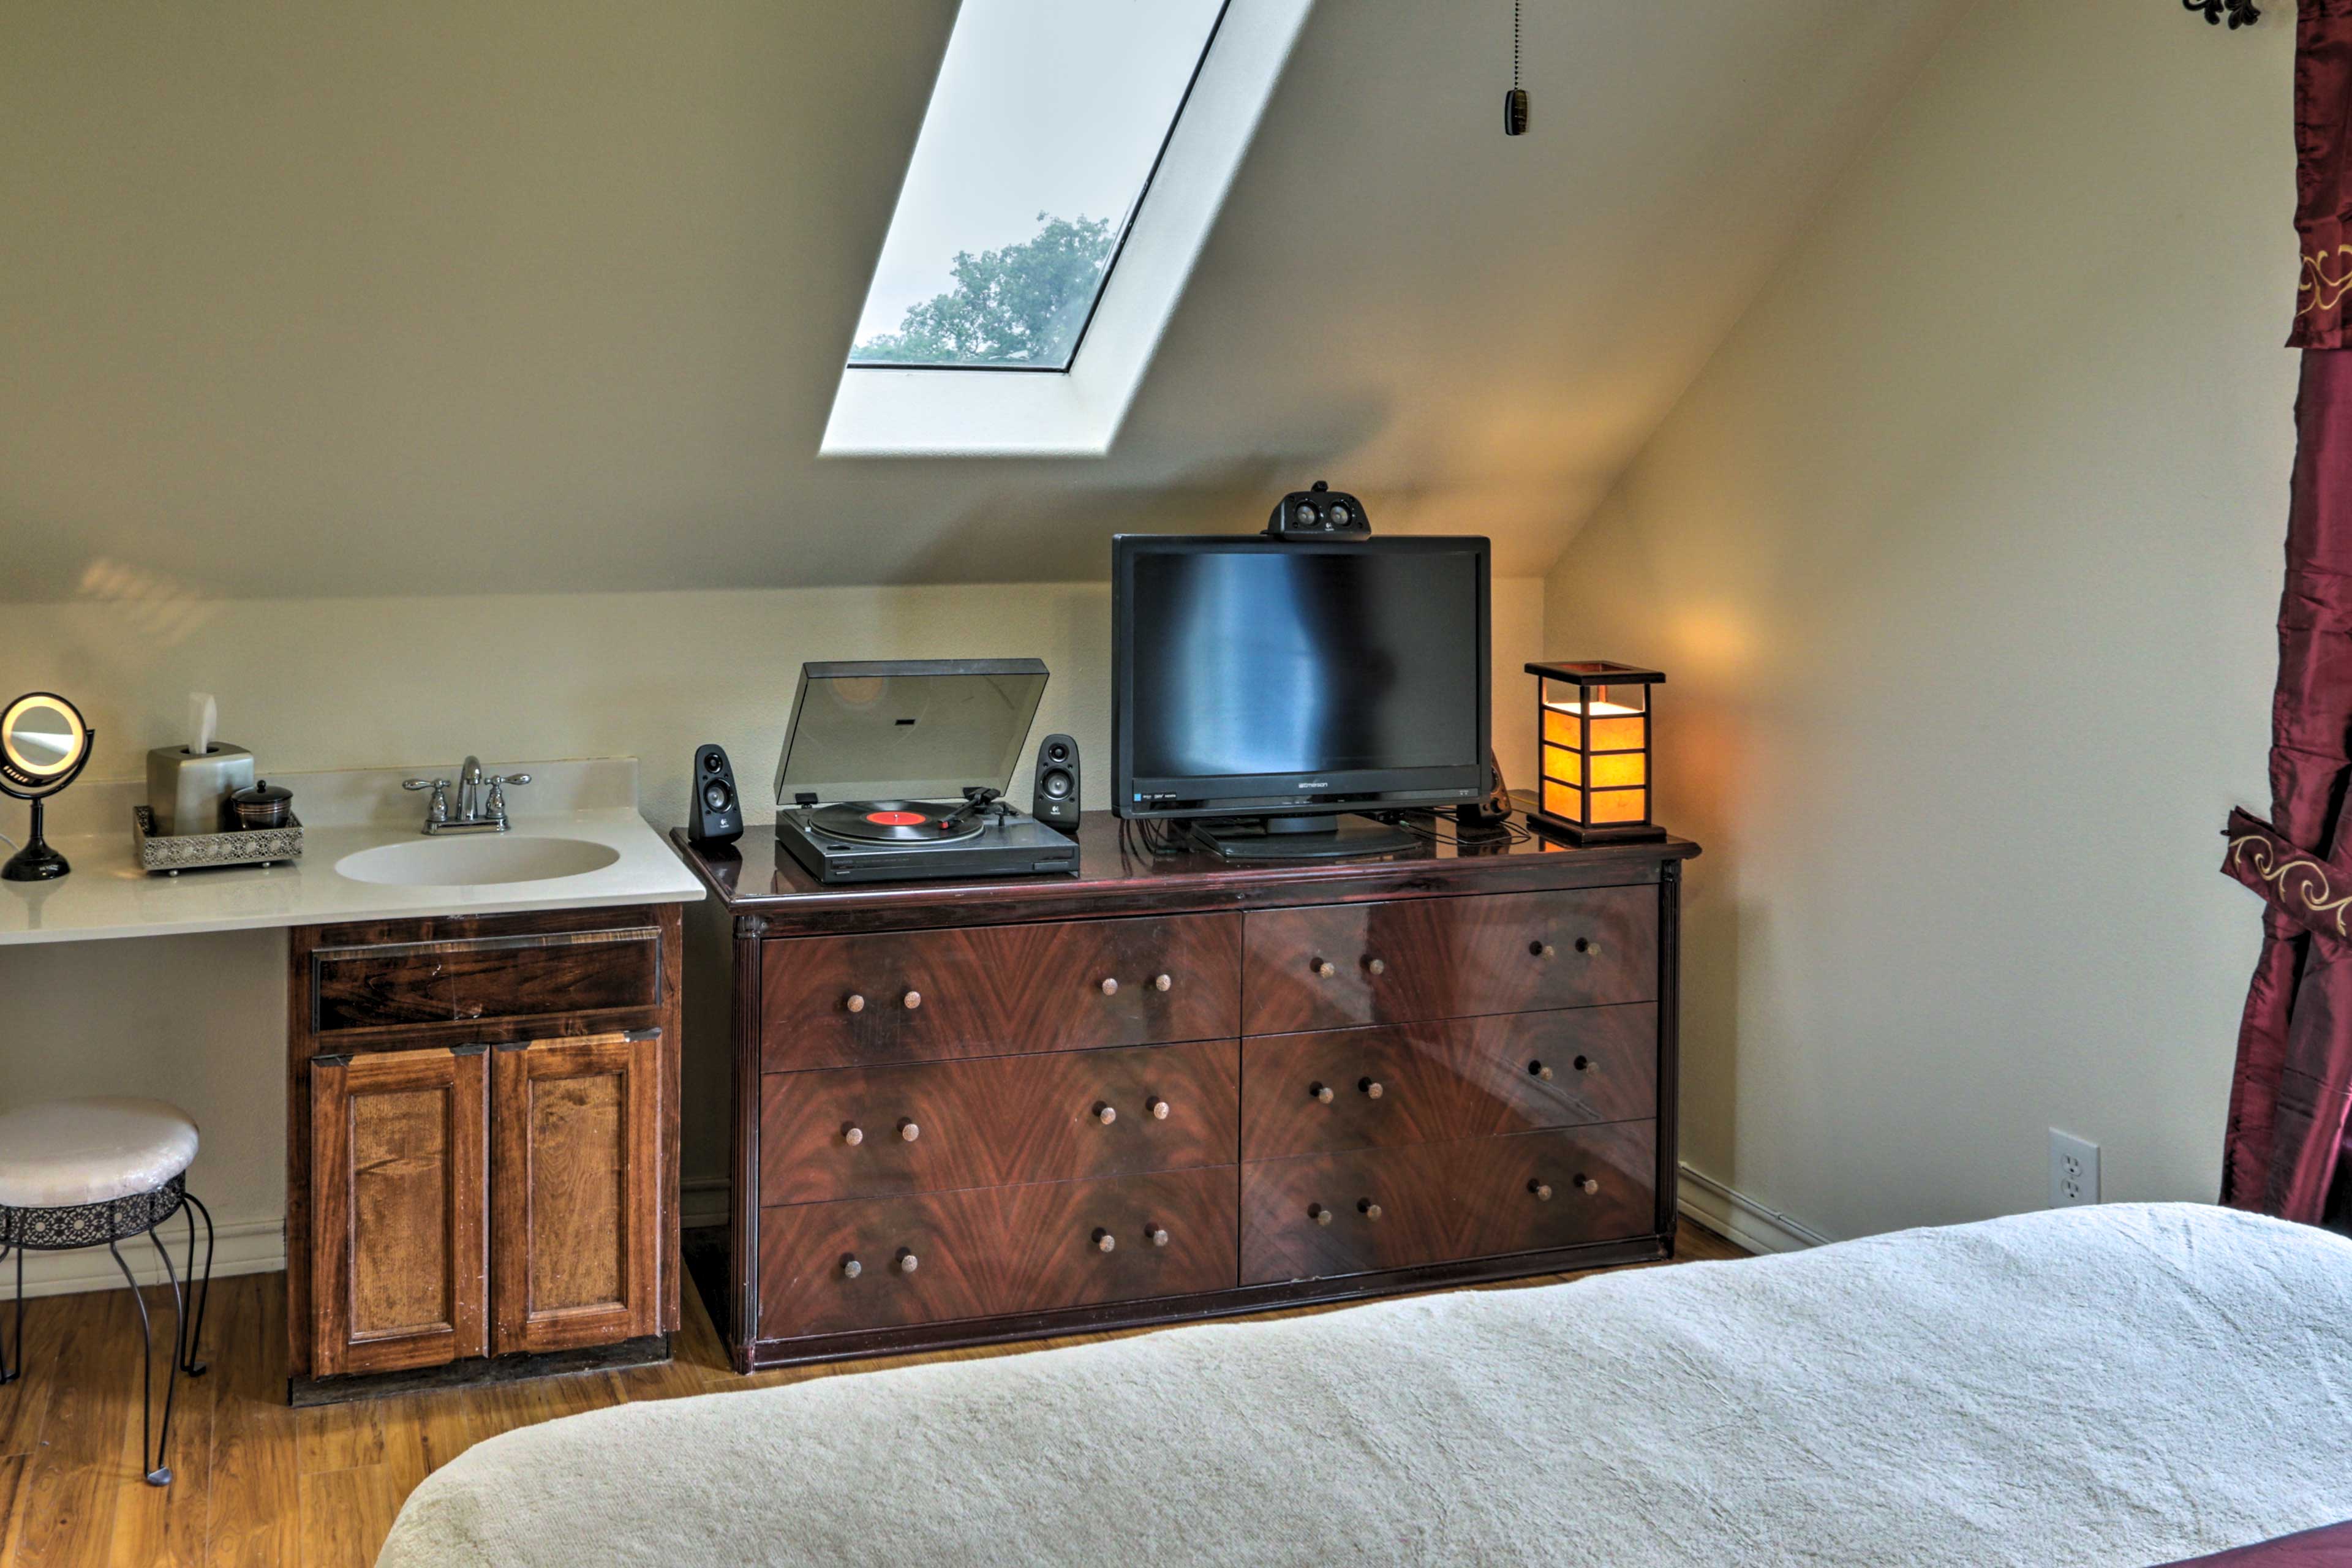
399	1149
575	1177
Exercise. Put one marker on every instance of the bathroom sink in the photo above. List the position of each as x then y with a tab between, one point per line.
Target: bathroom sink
476	861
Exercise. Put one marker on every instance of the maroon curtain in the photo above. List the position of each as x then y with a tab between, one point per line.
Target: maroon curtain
2293	1080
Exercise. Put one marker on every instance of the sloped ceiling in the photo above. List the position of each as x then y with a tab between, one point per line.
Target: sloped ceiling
449	297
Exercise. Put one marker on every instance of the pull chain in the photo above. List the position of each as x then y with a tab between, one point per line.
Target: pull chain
1515	102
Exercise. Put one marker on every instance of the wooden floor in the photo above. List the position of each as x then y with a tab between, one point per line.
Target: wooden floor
261	1484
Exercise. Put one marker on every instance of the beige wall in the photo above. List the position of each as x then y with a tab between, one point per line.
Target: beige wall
1961	557
340	683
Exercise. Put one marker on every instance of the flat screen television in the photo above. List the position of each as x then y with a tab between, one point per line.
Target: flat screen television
1280	683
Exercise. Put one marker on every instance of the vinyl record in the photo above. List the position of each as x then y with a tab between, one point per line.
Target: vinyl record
892	822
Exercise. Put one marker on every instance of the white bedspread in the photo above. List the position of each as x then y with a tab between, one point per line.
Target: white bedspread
2114	1385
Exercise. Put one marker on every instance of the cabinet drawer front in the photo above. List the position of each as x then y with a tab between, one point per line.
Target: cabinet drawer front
491	978
1437	1203
907	996
1465	1078
996	1120
993	1250
1411	958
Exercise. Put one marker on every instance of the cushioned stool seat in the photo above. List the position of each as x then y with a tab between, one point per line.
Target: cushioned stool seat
88	1150
96	1173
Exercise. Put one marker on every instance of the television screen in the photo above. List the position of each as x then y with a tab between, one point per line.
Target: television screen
1275	672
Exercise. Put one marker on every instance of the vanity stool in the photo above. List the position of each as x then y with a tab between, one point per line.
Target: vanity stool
94	1173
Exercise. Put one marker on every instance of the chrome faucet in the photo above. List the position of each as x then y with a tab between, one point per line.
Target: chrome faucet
481	800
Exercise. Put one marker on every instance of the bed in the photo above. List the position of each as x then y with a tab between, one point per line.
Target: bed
2122	1385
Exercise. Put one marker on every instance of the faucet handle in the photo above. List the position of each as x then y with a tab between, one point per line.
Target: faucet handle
495	808
439	811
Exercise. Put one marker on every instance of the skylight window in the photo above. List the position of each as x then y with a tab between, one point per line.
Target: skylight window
1045	130
1092	143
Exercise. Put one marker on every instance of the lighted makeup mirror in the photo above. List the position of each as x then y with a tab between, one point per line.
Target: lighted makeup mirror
43	747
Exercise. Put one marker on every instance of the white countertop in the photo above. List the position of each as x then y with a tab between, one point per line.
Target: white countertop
107	895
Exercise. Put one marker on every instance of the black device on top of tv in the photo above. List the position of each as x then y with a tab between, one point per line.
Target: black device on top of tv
1263	687
717	815
1318	512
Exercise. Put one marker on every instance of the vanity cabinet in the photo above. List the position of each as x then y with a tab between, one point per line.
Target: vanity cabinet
482	1145
1171	1088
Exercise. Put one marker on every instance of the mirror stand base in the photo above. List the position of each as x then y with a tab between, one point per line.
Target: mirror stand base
35	862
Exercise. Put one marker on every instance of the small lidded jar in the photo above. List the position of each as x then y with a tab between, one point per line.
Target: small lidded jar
260	804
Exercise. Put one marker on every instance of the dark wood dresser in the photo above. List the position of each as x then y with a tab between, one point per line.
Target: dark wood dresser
1172	1087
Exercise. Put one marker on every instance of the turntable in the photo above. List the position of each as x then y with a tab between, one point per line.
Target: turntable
895	770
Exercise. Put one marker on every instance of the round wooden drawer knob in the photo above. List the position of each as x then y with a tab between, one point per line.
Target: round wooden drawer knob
1109	987
853	1135
1158	1235
1162	981
855	1003
1588	1185
1321	1091
908	1131
1377	965
1538	1069
1542	1190
1368	1208
851	1268
1583	1064
1373	1088
1589	946
1106	1114
1105	1241
1325	968
907	1261
1159	1110
1319	1214
912	1000
1542	949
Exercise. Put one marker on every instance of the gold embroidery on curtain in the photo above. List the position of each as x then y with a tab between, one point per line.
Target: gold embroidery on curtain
2317	289
2312	893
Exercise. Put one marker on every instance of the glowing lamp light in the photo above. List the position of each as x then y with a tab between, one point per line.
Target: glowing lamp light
1592	742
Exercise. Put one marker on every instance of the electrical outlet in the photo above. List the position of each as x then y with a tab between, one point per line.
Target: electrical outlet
2074	1170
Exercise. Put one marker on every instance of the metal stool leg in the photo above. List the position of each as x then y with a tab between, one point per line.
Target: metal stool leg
179	1352
17	1368
202	1297
159	1475
10	1370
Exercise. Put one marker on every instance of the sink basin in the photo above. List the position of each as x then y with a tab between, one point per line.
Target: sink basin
477	861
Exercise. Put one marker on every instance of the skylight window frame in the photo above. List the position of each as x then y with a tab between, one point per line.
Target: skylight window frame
901	411
1118	246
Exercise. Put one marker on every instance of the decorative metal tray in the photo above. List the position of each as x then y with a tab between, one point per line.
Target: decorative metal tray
172	853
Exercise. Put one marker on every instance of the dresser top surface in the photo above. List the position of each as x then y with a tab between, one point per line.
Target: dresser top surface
755	877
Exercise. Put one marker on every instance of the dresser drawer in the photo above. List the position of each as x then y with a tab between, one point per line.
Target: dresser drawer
992	1250
1333	966
1462	1078
1322	1214
930	996
486	978
856	1132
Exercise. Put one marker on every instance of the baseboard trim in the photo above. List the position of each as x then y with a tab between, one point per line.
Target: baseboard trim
1736	1217
702	1202
239	1246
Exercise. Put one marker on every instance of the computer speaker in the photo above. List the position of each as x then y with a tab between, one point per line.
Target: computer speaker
1057	800
717	816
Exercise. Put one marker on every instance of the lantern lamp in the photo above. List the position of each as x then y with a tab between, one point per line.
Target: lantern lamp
1592	742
